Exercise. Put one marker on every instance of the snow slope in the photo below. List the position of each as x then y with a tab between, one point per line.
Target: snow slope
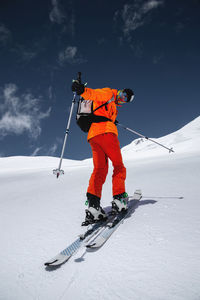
153	255
186	139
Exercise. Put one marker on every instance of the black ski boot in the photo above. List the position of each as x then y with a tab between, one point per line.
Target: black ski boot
119	203
94	212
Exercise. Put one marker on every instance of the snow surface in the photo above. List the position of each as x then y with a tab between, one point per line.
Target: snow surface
153	255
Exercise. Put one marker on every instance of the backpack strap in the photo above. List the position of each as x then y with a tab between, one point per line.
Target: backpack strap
104	104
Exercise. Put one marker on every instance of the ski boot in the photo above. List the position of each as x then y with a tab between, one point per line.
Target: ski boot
94	212
119	203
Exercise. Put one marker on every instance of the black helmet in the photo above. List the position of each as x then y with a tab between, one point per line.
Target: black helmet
125	96
129	95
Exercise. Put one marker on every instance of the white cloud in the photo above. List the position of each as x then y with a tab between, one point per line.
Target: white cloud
48	150
20	114
134	15
63	16
35	152
5	35
69	55
149	5
52	150
56	15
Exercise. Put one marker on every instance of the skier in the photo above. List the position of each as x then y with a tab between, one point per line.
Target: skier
103	139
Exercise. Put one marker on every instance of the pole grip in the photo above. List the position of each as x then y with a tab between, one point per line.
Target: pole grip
79	77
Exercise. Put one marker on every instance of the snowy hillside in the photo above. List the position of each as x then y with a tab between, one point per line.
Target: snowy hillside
153	255
185	140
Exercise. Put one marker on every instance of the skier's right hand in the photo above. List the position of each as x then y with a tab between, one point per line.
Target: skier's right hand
78	87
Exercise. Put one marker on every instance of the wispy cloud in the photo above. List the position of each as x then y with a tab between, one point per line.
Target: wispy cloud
25	54
50	92
28	55
47	150
35	152
151	4
134	15
52	150
20	113
5	35
157	58
61	16
56	15
70	55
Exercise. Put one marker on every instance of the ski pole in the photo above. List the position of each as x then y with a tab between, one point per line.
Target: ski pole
164	197
146	137
58	171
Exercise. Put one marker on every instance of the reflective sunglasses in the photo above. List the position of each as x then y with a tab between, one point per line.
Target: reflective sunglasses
122	97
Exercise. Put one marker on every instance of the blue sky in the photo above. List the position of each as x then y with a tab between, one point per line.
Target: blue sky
151	46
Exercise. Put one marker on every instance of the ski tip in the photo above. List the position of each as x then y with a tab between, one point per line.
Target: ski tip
90	245
52	263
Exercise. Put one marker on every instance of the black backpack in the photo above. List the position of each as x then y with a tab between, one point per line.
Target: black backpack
85	114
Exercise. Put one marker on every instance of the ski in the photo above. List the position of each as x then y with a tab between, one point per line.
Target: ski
82	239
94	236
113	224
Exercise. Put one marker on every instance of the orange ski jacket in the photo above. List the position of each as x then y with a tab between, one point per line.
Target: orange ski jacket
99	97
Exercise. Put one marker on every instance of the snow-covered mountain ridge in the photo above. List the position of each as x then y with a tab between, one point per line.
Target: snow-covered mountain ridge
184	140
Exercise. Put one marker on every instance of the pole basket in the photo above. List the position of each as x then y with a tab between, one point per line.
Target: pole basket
58	172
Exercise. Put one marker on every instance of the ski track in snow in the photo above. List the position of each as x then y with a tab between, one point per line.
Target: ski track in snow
153	255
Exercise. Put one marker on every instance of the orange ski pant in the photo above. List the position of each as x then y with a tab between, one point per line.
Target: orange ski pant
106	146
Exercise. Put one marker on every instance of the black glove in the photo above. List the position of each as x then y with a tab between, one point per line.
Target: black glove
116	122
78	87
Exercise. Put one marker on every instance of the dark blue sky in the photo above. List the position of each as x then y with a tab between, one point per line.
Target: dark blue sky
151	46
